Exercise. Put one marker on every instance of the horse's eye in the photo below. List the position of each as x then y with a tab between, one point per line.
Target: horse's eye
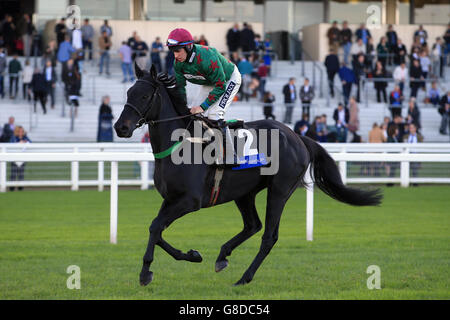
144	97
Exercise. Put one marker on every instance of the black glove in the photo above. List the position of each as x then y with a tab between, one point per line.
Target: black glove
169	82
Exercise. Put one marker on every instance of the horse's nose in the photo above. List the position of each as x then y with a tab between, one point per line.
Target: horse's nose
122	129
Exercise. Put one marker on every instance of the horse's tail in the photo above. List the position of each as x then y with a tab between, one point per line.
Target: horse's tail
325	174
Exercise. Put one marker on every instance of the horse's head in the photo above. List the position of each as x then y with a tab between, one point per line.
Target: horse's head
140	107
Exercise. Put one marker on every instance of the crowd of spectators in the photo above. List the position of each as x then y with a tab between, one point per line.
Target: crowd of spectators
355	59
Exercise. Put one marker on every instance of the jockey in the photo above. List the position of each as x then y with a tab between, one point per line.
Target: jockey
218	78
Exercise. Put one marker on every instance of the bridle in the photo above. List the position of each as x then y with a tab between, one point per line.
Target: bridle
144	116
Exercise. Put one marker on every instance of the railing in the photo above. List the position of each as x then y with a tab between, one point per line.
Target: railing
116	153
348	156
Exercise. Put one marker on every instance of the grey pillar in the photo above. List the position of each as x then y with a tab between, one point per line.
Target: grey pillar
412	6
326	11
203	10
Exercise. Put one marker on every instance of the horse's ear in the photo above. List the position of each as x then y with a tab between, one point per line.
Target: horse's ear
139	72
153	71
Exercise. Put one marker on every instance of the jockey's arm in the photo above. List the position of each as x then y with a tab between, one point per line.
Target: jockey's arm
216	75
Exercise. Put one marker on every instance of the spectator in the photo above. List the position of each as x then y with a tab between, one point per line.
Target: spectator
263	71
27	75
302	123
425	65
235	58
245	68
60	30
306	96
391	167
26	31
141	49
50	82
65	50
9	34
383	51
125	57
416	48
346	40
358	48
247	38
170	59
438	58
398	121
399	52
71	78
106	28
8	131
413	137
447	39
415	75
18	168
2	71
259	45
370	55
395	101
363	33
353	121
360	71
347	78
39	88
87	32
157	48
380	84
376	134
332	65
413	113
233	39
202	41
391	37
433	95
333	37
290	96
341	117
104	43
444	110
77	39
50	53
105	128
422	34
267	53
14	68
132	44
268	100
400	75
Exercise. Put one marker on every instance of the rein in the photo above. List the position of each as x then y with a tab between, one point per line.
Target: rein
143	116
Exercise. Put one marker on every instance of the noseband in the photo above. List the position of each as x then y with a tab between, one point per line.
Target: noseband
144	116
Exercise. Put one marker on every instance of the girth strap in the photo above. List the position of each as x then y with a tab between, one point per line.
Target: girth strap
216	187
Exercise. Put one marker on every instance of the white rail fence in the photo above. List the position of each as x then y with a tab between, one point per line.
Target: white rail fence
405	154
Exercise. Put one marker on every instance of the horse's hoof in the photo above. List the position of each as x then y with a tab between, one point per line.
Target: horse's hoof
194	256
240	283
145	278
220	265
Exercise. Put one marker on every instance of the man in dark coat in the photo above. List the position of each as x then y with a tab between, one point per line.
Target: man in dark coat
415	73
247	38
39	87
290	96
332	65
359	69
233	39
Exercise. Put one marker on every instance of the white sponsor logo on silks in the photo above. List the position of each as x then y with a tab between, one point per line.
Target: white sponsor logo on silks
191	76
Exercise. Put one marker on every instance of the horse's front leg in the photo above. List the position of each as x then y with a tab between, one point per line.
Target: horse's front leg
168	213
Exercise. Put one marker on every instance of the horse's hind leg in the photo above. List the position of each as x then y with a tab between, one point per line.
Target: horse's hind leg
167	214
276	199
252	225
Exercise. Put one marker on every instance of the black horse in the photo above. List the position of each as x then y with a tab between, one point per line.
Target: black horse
187	187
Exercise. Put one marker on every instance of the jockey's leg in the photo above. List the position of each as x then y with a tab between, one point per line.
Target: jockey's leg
217	111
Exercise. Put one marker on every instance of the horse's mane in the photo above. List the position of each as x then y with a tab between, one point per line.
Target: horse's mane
177	96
